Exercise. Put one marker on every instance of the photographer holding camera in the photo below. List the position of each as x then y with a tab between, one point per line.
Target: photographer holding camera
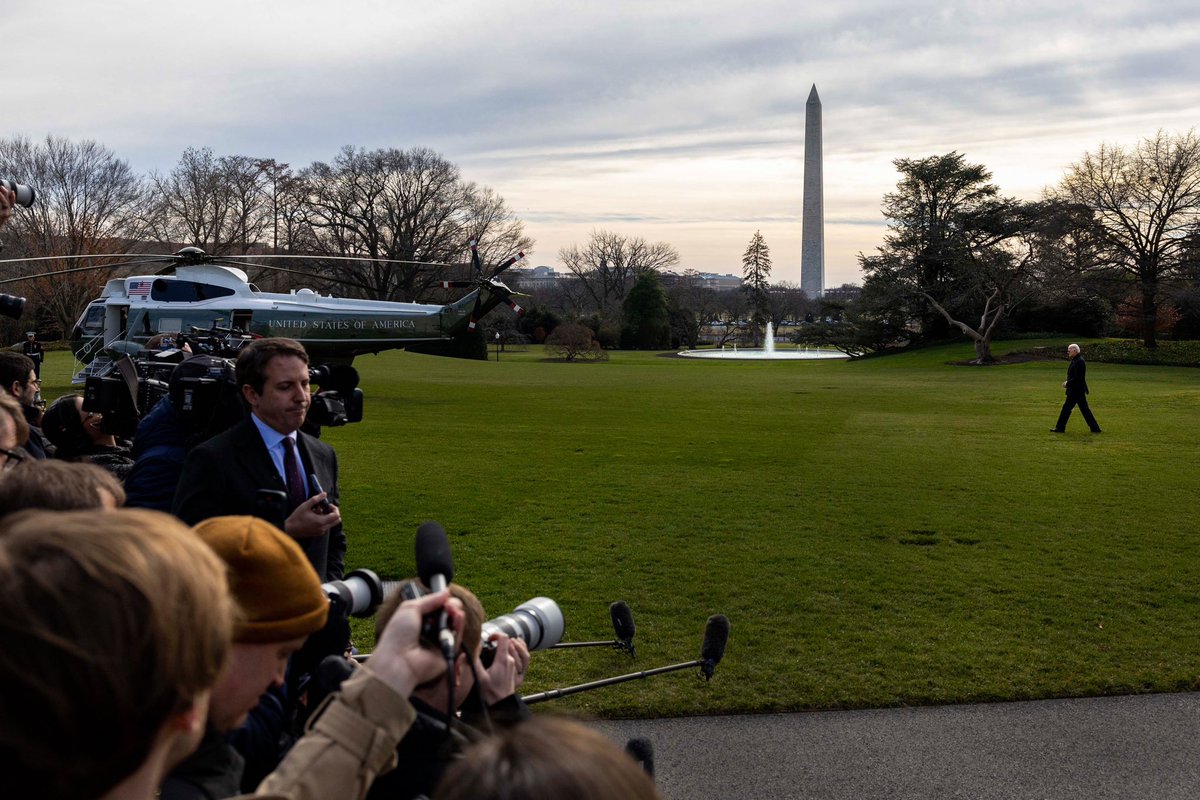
79	435
267	451
75	721
281	603
8	199
485	695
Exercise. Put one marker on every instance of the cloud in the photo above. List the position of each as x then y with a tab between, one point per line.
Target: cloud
683	121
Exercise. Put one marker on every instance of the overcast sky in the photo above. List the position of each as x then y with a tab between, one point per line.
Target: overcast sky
676	121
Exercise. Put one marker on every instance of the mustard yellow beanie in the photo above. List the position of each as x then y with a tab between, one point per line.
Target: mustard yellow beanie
270	578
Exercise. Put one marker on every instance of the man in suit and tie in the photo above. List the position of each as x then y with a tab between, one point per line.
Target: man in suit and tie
267	450
1077	391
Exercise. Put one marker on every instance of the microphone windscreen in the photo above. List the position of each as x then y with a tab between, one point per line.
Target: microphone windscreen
433	553
641	751
716	634
622	620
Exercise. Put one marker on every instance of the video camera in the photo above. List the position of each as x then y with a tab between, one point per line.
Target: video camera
203	386
340	401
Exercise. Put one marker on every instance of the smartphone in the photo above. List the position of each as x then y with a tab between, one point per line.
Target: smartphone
314	488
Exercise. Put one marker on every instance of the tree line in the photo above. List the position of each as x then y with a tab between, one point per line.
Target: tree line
386	204
1113	245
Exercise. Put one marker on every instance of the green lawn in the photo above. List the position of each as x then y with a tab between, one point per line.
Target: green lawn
891	531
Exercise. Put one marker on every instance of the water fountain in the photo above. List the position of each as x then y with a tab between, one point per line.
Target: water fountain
768	352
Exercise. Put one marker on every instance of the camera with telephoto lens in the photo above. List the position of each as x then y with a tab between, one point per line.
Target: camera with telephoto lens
537	622
356	595
25	194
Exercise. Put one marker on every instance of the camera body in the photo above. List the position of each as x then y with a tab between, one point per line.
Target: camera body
25	194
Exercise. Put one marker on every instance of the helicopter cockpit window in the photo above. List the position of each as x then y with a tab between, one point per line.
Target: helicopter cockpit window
186	291
93	320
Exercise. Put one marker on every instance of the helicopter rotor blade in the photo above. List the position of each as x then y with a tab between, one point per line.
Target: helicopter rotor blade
92	268
475	259
318	257
512	260
475	313
314	275
159	256
457	284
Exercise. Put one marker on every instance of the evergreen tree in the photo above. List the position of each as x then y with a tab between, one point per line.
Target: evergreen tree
647	322
756	274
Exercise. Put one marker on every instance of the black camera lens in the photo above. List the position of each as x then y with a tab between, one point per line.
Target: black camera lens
11	306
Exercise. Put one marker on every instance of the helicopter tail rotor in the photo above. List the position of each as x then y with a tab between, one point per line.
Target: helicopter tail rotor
488	283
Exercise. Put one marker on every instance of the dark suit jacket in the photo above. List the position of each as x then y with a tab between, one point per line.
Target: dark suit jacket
1076	377
221	477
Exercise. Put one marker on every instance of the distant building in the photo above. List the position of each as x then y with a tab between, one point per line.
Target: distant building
845	293
722	283
532	278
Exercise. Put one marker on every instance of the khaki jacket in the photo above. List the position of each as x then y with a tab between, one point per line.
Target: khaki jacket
348	743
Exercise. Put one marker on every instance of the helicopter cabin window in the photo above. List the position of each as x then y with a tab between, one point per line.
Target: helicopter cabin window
93	320
186	291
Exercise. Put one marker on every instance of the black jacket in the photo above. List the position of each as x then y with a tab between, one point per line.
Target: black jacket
212	772
222	476
426	752
1076	377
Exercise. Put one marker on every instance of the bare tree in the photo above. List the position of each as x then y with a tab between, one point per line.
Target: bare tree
1144	202
570	341
405	205
607	266
218	204
89	202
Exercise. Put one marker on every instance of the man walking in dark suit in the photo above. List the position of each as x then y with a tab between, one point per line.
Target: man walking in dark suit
1077	390
222	476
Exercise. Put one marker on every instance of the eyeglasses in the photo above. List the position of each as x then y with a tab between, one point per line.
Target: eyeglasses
36	382
15	457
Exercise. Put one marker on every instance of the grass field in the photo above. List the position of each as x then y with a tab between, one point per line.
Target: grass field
891	531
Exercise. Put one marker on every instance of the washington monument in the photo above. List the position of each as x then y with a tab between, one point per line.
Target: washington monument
812	241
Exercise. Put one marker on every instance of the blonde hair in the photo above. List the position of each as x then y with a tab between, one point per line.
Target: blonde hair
10	408
472	609
109	625
546	758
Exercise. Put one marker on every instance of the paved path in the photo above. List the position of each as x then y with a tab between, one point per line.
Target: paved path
1117	747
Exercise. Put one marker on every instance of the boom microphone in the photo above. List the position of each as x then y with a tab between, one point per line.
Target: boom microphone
435	565
716	635
642	751
622	620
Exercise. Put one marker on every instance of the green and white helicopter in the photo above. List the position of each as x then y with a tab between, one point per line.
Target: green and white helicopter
200	293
